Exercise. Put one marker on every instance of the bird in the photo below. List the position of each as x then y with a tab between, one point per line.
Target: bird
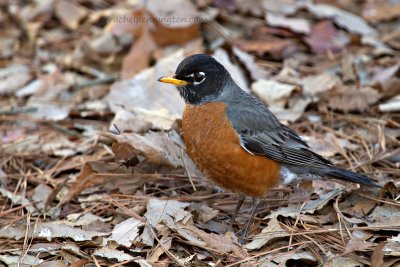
237	142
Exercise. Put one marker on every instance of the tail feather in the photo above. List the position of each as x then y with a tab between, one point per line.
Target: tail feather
343	174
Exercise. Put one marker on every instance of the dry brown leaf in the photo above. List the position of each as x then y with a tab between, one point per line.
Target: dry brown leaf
125	233
70	13
203	212
40	195
302	258
355	244
329	145
166	243
316	84
112	254
156	147
339	261
350	22
210	240
384	216
140	120
49	231
176	21
377	255
273	231
325	38
374	12
139	56
248	60
310	207
347	20
350	98
287	7
235	71
278	49
25	260
273	93
392	105
298	25
96	173
143	90
392	246
13	78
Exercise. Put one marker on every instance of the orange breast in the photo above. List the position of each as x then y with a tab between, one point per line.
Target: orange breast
215	148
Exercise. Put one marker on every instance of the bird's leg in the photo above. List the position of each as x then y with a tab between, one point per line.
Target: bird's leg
256	202
235	213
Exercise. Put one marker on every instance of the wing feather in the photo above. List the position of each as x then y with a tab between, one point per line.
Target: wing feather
261	133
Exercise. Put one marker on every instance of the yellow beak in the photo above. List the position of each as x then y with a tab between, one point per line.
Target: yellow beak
170	79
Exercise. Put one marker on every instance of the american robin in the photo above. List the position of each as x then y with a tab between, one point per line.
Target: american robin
237	141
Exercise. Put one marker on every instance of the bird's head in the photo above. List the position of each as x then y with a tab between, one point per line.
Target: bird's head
199	79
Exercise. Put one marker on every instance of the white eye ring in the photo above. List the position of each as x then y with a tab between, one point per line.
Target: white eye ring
201	74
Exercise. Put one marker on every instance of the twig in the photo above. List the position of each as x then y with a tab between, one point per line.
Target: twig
187	171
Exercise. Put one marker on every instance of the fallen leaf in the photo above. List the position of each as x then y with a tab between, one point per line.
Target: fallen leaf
278	49
316	84
109	253
273	231
374	12
377	255
338	261
344	19
161	214
143	90
107	44
125	233
298	25
355	244
392	247
273	93
110	175
176	21
70	13
13	78
236	73
166	211
49	111
79	219
17	199
31	88
287	7
59	263
49	231
329	145
293	210
139	56
26	260
253	7
40	195
156	147
350	98
203	212
385	216
165	245
324	38
348	21
139	120
294	110
210	240
392	105
248	60
298	258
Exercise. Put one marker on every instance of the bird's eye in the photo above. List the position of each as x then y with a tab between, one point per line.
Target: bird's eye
199	77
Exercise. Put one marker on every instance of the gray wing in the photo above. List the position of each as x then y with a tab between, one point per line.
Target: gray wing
261	133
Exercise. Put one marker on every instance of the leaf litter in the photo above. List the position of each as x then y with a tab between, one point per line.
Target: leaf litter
93	170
